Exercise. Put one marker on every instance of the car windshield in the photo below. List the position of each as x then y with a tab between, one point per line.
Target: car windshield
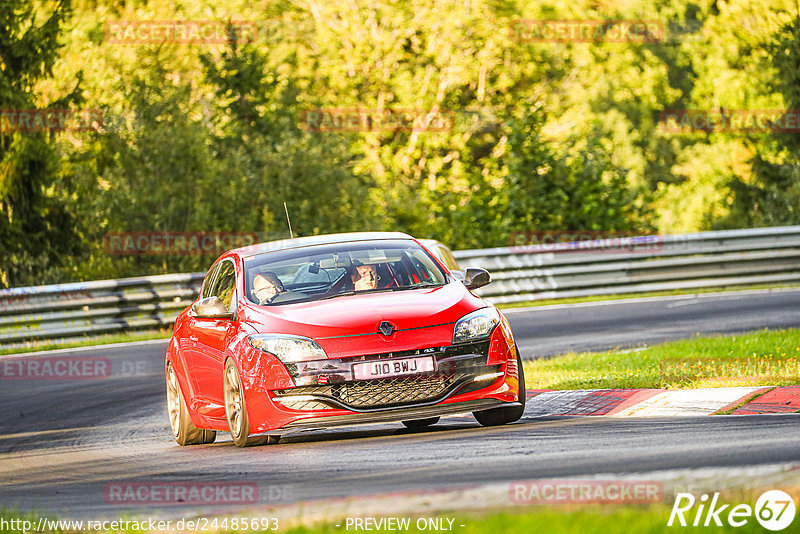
335	270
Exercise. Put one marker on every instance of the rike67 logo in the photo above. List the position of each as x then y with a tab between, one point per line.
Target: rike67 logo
774	510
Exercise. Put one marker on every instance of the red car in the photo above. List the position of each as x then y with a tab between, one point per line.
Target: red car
343	329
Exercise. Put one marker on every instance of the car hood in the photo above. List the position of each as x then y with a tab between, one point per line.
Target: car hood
358	316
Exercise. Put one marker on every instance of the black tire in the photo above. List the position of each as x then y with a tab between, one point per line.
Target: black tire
236	410
503	416
183	430
417	424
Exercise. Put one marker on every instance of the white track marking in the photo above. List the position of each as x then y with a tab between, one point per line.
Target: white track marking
687	402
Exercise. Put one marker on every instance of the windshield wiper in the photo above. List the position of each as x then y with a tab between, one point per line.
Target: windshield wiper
379	290
345	294
417	286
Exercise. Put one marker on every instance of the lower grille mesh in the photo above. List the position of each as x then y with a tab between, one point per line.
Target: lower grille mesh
390	392
305	405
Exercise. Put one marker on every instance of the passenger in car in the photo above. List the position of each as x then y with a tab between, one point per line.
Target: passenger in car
266	286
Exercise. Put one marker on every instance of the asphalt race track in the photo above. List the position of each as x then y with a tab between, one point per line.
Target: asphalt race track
64	441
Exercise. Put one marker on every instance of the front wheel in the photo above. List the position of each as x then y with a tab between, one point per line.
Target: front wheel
505	415
236	411
183	430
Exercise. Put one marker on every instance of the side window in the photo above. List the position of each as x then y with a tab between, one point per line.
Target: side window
209	279
225	283
448	259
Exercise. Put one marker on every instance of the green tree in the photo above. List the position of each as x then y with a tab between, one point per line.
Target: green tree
150	170
770	195
36	228
577	188
271	160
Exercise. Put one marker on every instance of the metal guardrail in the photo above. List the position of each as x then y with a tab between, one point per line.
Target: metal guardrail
601	267
639	264
63	311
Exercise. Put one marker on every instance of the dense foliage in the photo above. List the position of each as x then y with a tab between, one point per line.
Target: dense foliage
215	137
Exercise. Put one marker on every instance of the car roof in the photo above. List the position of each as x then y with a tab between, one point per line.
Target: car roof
431	242
327	239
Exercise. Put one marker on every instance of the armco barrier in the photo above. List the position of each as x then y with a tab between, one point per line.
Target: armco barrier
60	311
639	264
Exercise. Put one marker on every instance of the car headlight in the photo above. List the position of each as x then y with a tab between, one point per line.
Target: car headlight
476	325
288	349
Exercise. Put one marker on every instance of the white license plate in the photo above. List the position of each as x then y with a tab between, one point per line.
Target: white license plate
410	366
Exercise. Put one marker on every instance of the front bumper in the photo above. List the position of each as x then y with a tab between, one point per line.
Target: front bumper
386	416
459	369
467	378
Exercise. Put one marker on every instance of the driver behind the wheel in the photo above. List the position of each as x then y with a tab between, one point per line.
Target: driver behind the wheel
364	277
266	286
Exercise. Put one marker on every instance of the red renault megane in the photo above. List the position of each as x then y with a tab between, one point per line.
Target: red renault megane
344	329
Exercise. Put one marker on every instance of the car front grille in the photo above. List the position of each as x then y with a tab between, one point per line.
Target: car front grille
392	391
450	377
305	405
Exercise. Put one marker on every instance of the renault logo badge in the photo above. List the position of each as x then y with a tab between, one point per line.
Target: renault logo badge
386	328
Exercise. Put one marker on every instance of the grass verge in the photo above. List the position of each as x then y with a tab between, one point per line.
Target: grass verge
144	335
763	358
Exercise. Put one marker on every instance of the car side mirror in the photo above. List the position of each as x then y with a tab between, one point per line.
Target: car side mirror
211	308
458	275
475	278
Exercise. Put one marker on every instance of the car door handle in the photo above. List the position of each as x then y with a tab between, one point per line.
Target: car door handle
193	338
